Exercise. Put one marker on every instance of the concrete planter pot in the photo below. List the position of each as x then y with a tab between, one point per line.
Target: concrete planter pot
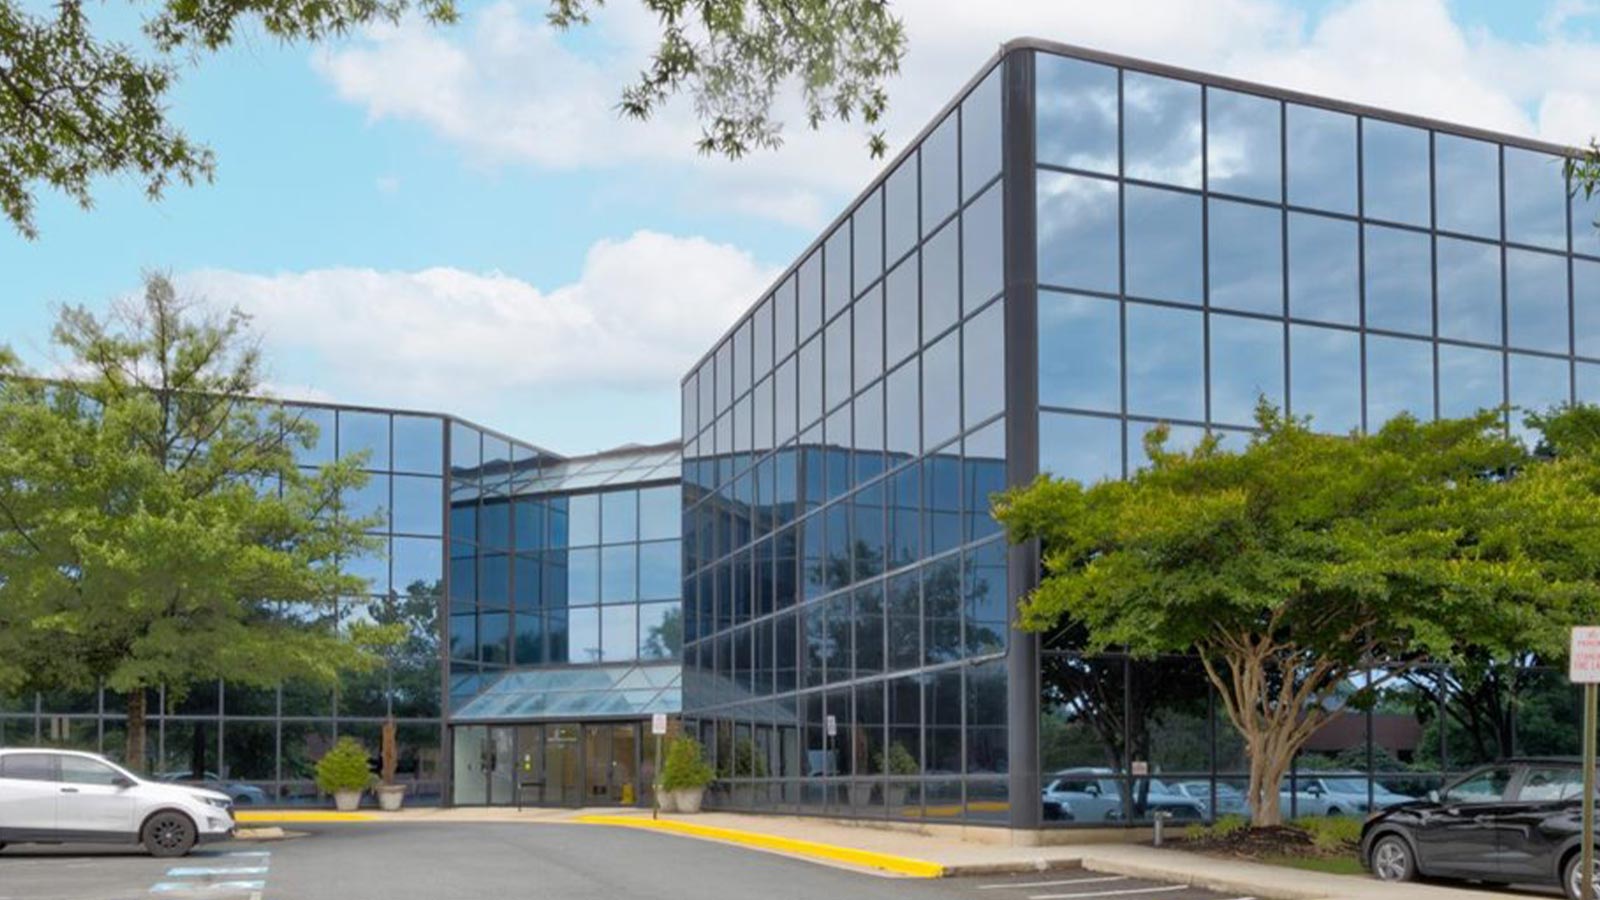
896	794
860	795
688	800
391	796
346	801
666	800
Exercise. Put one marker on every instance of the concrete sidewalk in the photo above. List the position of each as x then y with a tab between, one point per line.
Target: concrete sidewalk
921	847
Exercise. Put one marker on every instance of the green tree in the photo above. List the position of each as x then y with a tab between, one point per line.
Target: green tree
154	527
1304	564
75	105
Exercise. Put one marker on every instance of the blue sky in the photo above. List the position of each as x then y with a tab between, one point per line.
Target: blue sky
474	231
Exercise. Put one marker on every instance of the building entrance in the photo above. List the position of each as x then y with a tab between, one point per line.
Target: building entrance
553	764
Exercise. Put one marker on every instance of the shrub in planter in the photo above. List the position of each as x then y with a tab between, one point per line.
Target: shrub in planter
897	760
685	773
342	772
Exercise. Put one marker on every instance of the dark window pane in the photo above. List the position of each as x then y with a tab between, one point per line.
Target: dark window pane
1395	172
939	190
1469	290
980	134
1536	199
1161	127
941	282
1163	244
418	444
1399	379
1325	377
1469	380
1586	305
1246	365
1242	145
941	610
982	262
1077	232
983	388
900	209
1466	185
1081	448
904	621
868	337
836	285
1246	249
1322	158
837	379
900	312
867	232
1166	362
1076	110
1399	280
1324	269
1536	300
1080	352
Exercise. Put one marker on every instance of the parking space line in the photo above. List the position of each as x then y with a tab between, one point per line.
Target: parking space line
1122	893
169	887
1040	884
191	872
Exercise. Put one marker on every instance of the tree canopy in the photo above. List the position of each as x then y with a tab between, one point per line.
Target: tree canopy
76	105
154	526
1307	571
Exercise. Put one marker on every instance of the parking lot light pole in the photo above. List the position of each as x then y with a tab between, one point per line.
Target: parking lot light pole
1584	669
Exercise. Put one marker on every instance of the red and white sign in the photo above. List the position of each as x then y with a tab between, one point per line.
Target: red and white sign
1585	667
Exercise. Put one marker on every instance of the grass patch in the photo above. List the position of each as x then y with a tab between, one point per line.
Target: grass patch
1332	865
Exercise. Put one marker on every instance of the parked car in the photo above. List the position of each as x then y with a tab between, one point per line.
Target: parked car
1096	795
242	794
1338	794
1514	822
64	796
1230	800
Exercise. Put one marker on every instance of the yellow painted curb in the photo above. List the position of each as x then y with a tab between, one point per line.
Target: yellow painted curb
275	816
900	865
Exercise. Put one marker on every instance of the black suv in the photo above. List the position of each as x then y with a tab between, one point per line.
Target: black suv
1515	822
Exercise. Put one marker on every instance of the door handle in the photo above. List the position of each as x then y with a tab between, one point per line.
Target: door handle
1482	819
69	790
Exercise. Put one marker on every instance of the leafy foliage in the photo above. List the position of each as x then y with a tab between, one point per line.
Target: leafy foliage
1303	563
75	106
344	767
1331	834
685	766
897	760
154	527
1584	171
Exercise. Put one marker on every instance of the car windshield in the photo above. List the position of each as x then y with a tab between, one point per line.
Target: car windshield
1347	785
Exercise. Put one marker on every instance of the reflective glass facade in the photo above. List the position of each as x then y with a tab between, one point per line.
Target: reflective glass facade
845	590
263	743
1079	248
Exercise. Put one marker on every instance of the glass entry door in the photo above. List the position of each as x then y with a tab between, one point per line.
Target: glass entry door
563	766
560	764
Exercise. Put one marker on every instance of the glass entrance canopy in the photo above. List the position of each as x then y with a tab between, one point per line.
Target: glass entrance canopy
590	692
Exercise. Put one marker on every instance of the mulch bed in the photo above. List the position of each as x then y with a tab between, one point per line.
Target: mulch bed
1257	843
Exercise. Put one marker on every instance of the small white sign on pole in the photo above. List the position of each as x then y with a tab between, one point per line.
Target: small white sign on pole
658	723
1140	767
1585	666
833	727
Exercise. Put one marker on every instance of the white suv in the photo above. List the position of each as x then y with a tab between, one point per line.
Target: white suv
62	796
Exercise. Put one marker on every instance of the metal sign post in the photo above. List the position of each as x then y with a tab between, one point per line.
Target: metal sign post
658	727
1585	670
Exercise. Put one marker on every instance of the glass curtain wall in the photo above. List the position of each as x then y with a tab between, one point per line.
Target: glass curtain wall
845	589
1202	245
259	745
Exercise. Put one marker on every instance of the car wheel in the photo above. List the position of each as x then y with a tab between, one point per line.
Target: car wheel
168	834
1392	859
1572	879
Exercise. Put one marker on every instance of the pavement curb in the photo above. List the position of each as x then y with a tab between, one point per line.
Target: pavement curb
899	865
275	817
1178	874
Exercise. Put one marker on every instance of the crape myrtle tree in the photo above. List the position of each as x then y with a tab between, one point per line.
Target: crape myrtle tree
1308	571
154	527
76	104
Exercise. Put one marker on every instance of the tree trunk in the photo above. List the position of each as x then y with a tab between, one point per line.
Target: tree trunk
1275	721
134	753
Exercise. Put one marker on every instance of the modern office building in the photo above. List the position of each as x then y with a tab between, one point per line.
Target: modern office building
1078	248
541	596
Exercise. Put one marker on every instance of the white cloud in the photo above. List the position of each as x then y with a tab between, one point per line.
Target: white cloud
508	90
641	312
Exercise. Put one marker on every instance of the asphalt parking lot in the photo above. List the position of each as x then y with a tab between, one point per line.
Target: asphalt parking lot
459	861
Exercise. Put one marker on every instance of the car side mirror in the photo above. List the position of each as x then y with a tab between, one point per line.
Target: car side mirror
123	782
1433	796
